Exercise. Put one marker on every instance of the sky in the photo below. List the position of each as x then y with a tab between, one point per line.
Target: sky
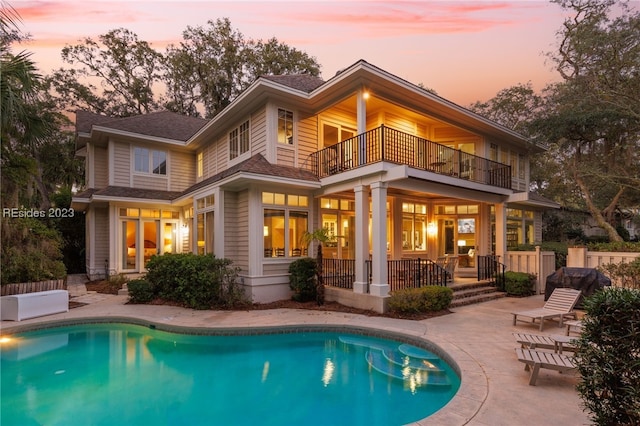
466	51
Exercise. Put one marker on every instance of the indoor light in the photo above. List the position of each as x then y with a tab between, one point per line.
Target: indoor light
432	229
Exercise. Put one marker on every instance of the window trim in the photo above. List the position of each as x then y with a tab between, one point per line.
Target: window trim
150	157
240	134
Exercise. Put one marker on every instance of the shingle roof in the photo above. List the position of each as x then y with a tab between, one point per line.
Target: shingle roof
304	82
162	124
259	165
124	192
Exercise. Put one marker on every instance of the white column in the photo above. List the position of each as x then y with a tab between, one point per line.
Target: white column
362	237
218	223
361	118
379	285
501	232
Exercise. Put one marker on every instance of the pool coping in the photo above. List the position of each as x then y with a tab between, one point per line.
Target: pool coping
465	404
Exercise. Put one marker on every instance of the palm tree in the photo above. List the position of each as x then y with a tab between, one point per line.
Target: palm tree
321	236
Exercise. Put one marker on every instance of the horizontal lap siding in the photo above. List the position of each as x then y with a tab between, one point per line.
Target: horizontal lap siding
286	157
122	164
101	167
307	139
101	241
151	182
236	234
182	170
400	123
259	133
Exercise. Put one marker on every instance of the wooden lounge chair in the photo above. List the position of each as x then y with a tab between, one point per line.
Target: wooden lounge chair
559	305
535	360
556	342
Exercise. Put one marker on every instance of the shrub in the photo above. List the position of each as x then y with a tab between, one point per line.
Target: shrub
625	275
302	279
196	281
140	291
519	283
608	357
617	246
420	300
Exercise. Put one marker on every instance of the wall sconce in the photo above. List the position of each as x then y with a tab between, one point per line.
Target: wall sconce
266	231
185	229
432	229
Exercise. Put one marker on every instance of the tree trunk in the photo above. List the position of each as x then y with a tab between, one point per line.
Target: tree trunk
595	212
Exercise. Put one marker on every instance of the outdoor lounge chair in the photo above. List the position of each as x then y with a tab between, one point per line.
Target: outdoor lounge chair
556	342
535	360
559	305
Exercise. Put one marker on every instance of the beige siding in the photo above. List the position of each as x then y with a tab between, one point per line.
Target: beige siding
151	182
451	134
102	237
259	132
122	164
236	218
183	170
286	156
101	167
400	123
307	138
279	268
338	116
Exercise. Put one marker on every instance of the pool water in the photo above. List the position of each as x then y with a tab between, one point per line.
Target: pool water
119	374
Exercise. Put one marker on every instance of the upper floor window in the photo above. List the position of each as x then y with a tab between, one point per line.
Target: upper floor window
200	164
239	140
150	161
285	126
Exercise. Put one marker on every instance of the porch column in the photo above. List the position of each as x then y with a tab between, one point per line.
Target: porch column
361	119
218	223
379	285
501	231
362	237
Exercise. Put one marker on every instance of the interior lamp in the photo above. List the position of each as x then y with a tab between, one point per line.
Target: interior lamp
462	243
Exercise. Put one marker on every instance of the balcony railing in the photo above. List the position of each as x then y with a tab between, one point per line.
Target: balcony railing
393	146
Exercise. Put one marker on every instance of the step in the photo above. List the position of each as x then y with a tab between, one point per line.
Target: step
470	292
368	343
416	352
403	360
423	377
477	299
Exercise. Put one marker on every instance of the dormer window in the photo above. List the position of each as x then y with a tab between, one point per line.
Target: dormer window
285	126
150	161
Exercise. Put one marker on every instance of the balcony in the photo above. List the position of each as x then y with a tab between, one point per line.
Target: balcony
390	145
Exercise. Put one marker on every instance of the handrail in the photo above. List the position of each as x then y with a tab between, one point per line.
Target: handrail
489	268
391	145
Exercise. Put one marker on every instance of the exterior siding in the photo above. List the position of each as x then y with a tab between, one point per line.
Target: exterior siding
236	235
259	132
101	241
400	123
101	167
151	182
286	157
183	169
307	138
122	164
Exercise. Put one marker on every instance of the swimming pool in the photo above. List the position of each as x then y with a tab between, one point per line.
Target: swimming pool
105	374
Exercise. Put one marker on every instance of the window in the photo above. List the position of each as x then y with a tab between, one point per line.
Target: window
284	227
414	226
205	232
285	126
200	164
146	160
239	140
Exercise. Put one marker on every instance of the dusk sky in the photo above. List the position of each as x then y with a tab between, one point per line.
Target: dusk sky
464	50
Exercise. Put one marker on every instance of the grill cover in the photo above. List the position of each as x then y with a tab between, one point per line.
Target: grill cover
587	280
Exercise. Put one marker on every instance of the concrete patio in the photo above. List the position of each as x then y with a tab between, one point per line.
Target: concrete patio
494	389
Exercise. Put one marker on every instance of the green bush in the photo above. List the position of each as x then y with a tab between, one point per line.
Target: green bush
302	279
420	300
617	246
196	281
519	283
608	357
140	291
626	275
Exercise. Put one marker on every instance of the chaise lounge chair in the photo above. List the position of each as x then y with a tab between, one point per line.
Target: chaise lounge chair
559	305
556	342
535	360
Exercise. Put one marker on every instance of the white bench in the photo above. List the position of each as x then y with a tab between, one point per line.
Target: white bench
29	305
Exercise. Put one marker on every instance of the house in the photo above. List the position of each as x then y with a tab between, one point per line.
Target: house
393	172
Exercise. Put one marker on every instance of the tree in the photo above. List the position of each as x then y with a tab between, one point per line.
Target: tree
125	67
322	236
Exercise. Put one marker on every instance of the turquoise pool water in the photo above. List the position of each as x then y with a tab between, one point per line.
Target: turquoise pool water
119	374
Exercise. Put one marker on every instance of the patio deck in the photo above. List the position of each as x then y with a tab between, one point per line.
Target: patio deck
494	389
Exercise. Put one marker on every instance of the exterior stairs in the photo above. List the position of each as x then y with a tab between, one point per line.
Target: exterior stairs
469	293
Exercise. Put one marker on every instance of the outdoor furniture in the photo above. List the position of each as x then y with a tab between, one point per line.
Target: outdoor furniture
534	341
30	305
450	267
559	305
574	326
535	360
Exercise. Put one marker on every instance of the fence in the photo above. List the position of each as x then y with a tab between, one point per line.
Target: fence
539	263
32	287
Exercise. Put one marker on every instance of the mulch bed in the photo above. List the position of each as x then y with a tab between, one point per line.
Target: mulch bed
104	287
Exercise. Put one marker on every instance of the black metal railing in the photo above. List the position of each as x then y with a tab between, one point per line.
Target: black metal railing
339	272
410	273
387	144
490	268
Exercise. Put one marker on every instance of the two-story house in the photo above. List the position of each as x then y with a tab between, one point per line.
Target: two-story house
391	170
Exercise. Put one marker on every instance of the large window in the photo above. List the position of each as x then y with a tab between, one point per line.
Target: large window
239	140
285	126
414	226
150	161
285	224
204	224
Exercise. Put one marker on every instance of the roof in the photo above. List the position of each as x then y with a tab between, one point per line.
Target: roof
124	192
305	82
